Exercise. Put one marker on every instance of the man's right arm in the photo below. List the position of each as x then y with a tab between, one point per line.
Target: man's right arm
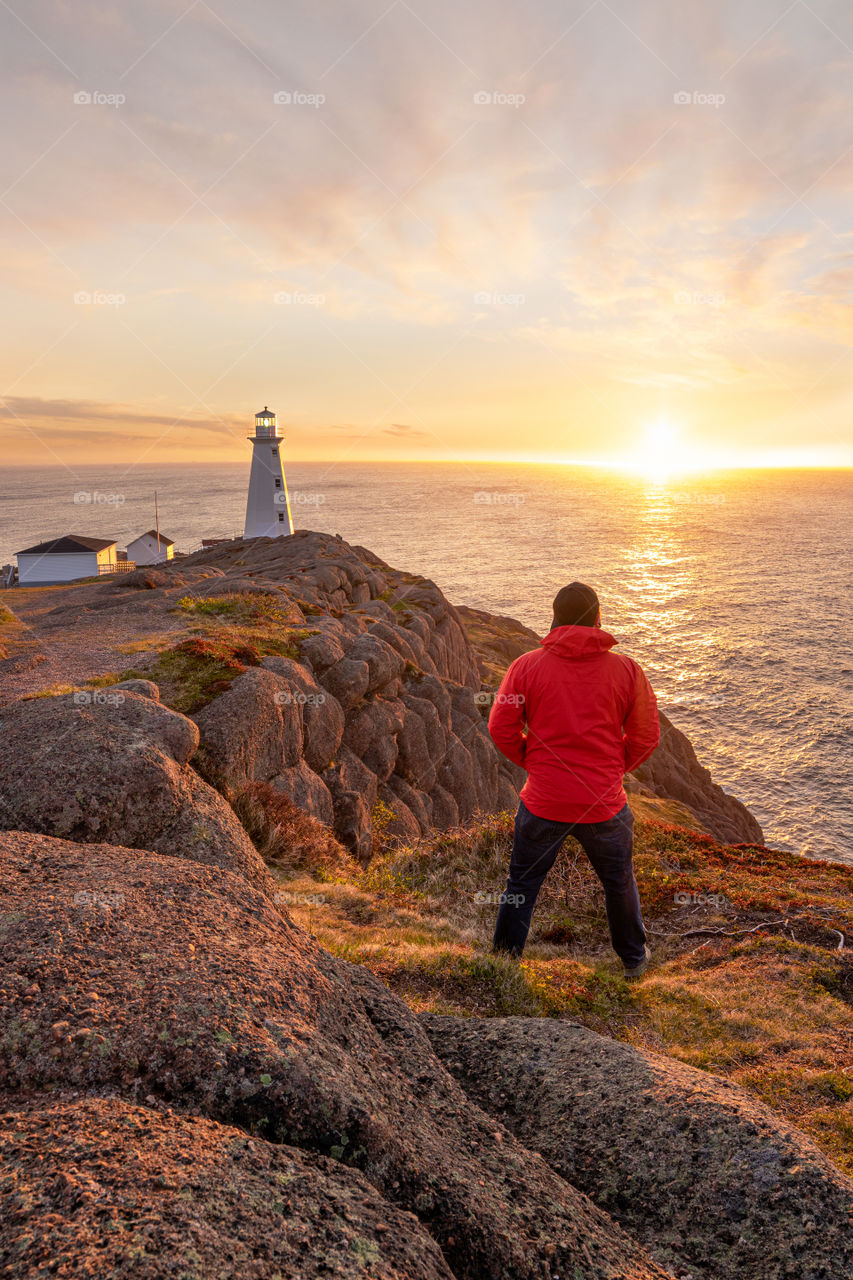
507	717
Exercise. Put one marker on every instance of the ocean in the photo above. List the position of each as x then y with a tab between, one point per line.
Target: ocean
733	590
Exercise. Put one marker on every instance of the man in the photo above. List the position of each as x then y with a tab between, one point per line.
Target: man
590	717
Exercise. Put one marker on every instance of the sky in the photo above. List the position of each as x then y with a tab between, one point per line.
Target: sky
564	230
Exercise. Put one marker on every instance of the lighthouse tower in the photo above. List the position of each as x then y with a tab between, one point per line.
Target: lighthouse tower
268	506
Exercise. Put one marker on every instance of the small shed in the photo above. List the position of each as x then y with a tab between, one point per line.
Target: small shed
150	548
65	559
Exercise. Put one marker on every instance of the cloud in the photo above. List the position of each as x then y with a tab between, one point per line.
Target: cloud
67	414
399	197
403	432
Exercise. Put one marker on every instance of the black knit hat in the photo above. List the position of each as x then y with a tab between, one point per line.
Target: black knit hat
575	606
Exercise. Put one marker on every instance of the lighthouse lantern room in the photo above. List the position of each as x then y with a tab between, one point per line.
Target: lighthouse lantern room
268	505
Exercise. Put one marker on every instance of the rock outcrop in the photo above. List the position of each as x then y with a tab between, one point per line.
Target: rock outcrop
162	982
673	772
380	705
381	670
710	1180
112	765
98	1187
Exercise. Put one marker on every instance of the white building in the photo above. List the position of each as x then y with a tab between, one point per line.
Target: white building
150	548
268	506
65	559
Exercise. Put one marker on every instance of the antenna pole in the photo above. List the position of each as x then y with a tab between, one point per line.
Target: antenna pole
157	523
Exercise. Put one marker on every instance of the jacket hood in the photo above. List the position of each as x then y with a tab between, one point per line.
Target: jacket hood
578	642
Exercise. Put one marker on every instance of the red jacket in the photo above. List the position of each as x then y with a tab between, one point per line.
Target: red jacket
591	717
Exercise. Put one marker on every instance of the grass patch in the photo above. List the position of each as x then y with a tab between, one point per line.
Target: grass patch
12	631
243	608
53	691
399	605
195	670
771	1010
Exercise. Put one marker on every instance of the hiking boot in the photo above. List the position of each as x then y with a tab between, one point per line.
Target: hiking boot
638	970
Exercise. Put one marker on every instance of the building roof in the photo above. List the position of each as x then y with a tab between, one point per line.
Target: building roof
265	413
69	543
152	533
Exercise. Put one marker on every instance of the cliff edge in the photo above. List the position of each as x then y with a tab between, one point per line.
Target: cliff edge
356	690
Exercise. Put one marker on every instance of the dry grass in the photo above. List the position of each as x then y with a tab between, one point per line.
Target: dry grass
772	1009
287	837
14	634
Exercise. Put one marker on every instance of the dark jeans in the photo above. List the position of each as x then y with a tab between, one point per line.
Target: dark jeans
609	847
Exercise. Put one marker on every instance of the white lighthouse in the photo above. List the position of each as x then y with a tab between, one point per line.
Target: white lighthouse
268	506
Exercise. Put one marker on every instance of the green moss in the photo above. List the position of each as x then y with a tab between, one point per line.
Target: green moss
192	672
249	608
398	605
366	1251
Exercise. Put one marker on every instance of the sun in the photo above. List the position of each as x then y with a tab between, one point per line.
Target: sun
663	452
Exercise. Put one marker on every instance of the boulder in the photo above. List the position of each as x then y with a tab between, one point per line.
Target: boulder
456	775
99	1187
448	644
383	663
707	1177
402	826
414	758
445	810
432	689
322	715
147	688
354	790
145	977
371	734
321	651
349	773
105	766
353	823
417	802
253	731
347	681
301	785
407	643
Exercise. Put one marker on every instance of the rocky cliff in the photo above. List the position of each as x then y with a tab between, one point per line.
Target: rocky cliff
193	1086
355	689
